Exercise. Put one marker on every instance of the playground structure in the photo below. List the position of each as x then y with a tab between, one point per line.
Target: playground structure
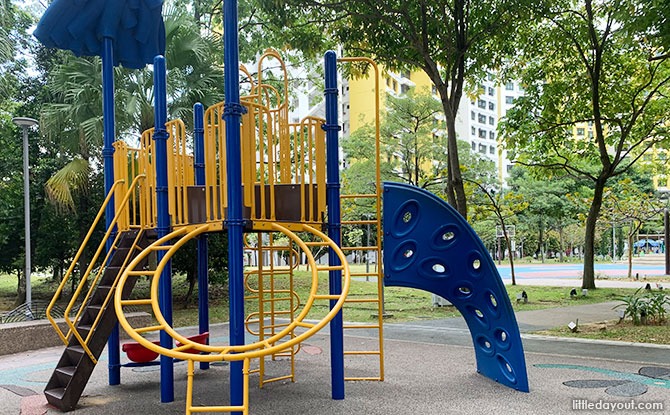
248	170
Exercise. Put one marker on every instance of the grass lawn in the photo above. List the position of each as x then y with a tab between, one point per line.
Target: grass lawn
613	330
400	305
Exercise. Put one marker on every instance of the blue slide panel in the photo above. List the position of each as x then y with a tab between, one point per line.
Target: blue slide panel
428	245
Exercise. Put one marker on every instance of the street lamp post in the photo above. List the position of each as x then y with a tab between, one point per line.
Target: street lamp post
666	239
26	123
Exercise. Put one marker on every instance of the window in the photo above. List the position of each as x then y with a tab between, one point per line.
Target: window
590	134
492	135
492	150
509	99
434	90
492	106
474	146
404	89
482	148
489	76
482	118
509	86
388	81
492	120
580	131
405	74
395	85
481	103
472	115
482	133
509	168
491	92
473	130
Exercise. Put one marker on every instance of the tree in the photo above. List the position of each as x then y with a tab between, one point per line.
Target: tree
490	199
409	144
549	205
628	202
451	41
589	65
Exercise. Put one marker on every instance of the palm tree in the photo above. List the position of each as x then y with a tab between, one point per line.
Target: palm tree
73	121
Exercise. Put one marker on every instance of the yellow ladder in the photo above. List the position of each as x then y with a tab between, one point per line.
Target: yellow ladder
270	287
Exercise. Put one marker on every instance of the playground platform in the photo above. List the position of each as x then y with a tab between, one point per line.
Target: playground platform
430	369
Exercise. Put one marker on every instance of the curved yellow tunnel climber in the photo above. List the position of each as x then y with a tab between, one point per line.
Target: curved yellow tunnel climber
210	353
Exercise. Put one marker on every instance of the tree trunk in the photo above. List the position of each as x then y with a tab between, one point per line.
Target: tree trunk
561	243
20	287
511	255
540	242
455	191
630	255
589	280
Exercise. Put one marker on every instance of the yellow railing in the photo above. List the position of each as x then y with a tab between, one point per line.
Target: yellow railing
273	152
77	303
130	162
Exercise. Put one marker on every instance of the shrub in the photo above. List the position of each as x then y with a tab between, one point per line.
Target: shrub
645	307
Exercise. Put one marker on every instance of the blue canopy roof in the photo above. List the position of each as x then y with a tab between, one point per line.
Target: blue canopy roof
135	26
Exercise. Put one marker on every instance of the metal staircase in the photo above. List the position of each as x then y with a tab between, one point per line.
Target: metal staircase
95	322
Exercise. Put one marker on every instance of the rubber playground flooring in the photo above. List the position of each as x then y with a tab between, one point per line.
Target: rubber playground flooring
429	369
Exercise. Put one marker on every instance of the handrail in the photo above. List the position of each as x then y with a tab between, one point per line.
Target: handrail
70	270
75	296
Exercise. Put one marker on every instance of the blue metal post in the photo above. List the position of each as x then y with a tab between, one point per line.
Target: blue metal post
232	114
203	277
109	135
163	220
333	199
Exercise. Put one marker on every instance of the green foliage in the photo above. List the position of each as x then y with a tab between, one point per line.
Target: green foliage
645	307
452	42
589	66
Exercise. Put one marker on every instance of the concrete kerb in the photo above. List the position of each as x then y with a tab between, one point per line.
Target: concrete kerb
39	334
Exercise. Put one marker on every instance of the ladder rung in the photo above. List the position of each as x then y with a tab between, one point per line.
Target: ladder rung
149	329
329	268
361	326
364	274
161	247
140	273
144	301
363	378
364	195
277	379
316	243
217	409
303	324
359	248
327	297
362	300
362	352
360	222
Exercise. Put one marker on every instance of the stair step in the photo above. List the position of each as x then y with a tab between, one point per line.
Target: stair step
67	370
84	329
75	366
56	393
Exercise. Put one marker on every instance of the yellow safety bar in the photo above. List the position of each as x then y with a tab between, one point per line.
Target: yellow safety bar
84	278
271	345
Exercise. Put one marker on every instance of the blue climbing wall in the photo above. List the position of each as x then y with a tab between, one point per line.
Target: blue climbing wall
428	245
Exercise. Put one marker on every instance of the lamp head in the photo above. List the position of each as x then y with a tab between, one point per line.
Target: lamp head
24	121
